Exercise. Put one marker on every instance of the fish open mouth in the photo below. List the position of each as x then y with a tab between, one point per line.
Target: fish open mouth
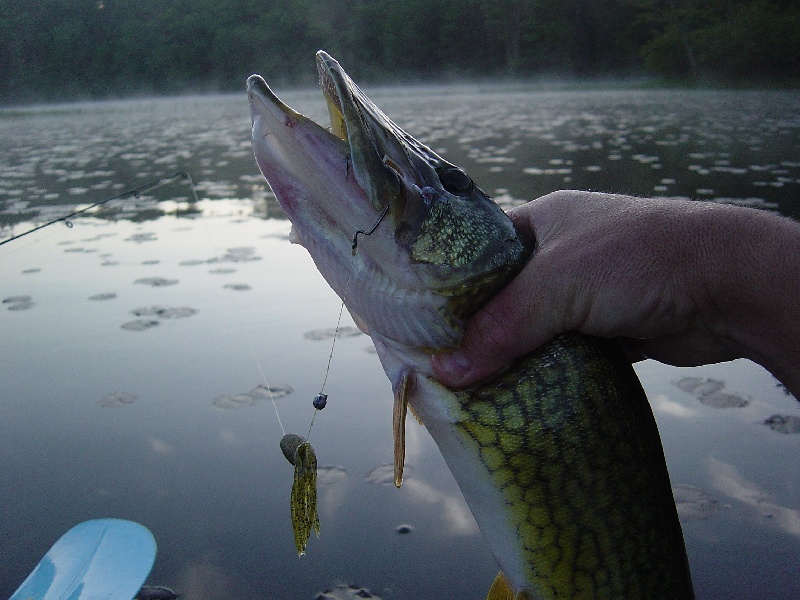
380	211
307	165
362	146
335	187
257	87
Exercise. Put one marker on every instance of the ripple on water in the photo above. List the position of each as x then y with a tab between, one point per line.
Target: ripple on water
329	333
724	400
139	324
138	238
346	592
784	423
700	386
18	302
236	255
251	398
693	504
709	392
156	281
164	313
237	287
234	401
271	391
105	296
117	399
404	529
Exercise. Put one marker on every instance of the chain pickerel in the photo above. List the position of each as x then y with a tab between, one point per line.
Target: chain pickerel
559	457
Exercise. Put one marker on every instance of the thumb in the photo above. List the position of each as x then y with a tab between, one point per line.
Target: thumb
511	323
494	336
482	353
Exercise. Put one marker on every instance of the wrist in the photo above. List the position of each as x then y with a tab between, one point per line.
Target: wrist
752	280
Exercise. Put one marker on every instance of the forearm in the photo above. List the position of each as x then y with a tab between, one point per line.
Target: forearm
685	283
752	274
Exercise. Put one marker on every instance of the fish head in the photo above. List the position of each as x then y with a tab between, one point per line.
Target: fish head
406	238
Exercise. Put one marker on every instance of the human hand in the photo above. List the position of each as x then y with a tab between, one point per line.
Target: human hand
654	272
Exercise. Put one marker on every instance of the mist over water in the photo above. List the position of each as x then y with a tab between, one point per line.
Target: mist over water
139	342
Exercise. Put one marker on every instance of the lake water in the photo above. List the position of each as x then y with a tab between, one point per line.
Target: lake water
135	339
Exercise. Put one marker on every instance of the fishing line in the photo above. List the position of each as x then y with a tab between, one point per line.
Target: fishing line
135	192
266	383
247	336
321	399
298	450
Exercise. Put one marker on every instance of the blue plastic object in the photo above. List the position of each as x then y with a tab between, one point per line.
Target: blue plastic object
102	559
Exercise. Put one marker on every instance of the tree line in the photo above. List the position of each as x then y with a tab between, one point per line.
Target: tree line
59	49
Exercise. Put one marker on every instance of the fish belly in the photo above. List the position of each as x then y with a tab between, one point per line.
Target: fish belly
561	464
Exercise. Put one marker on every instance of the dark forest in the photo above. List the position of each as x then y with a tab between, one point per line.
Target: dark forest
64	49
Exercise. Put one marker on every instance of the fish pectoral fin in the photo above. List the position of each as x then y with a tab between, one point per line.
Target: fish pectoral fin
501	590
401	394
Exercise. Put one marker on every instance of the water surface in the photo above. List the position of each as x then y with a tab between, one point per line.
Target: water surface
135	342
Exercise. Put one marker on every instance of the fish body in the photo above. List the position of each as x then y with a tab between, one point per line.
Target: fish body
558	457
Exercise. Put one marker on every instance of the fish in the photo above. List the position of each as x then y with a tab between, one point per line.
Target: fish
558	457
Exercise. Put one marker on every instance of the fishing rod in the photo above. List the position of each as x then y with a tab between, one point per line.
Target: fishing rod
134	192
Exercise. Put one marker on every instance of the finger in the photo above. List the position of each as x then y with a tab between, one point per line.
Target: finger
504	329
509	325
485	349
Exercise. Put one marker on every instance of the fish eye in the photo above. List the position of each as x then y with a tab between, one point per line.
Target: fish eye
455	181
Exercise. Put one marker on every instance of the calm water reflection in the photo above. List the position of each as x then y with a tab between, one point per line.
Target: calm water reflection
134	342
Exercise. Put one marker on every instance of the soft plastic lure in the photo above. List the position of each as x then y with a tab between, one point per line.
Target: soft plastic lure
305	519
